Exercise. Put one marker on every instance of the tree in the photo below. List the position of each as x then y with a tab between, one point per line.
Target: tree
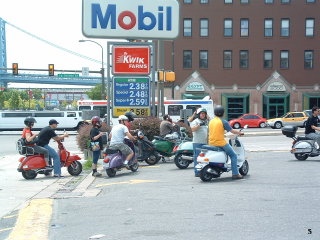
95	92
37	93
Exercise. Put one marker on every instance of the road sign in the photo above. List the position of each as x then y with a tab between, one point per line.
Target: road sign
131	60
131	93
64	75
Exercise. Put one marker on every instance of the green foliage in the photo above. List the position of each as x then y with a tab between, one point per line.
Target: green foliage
95	92
37	94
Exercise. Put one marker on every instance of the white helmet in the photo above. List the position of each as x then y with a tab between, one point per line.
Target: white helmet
122	118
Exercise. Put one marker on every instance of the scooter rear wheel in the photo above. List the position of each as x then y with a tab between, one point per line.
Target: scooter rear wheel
300	156
204	175
153	159
180	162
29	174
111	172
75	168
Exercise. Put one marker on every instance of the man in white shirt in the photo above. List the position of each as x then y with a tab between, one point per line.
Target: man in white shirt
117	135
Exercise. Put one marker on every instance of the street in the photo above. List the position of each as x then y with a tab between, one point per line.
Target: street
163	202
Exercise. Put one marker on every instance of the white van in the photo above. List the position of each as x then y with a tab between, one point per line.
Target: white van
14	120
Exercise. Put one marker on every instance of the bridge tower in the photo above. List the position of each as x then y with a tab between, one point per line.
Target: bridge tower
3	49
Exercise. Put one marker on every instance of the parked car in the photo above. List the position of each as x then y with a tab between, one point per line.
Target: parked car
250	119
289	119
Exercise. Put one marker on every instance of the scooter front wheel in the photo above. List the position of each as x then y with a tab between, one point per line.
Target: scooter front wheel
204	175
134	167
75	168
111	172
244	168
29	174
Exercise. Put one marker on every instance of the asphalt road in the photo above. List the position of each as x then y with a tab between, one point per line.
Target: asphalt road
279	199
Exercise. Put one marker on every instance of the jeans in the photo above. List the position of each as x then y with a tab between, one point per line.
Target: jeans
56	160
95	156
196	151
233	156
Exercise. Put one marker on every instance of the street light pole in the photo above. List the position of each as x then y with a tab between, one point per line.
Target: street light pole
103	88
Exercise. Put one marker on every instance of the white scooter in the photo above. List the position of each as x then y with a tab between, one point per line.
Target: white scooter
212	162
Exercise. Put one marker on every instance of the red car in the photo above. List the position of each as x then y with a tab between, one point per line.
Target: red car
252	120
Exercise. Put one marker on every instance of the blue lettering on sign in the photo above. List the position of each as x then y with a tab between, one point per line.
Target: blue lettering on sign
111	17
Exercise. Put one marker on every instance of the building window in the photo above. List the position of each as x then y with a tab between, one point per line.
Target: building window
204	27
244	59
308	59
268	1
284	59
203	59
187	1
267	59
310	1
244	1
285	28
204	1
244	27
285	1
228	1
227	59
309	27
187	27
268	25
187	59
228	27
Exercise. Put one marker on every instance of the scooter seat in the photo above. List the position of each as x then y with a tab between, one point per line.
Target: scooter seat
159	138
210	147
303	137
111	151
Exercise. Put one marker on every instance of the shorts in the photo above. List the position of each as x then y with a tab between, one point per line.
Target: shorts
125	149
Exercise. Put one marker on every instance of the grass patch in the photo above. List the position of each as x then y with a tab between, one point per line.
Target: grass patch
88	164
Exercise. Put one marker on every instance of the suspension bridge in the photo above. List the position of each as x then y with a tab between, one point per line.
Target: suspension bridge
60	79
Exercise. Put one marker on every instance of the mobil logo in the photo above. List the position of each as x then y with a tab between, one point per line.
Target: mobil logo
140	19
131	60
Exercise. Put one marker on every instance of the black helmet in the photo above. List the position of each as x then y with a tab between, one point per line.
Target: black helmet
218	111
130	115
29	121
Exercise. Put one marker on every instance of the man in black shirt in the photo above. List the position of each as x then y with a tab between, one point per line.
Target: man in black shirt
44	138
312	125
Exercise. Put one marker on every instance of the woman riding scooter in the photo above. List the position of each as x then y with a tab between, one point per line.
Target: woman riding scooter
30	140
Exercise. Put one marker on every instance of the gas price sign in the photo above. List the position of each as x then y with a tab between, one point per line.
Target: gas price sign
131	94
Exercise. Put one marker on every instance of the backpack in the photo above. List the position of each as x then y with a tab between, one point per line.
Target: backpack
21	146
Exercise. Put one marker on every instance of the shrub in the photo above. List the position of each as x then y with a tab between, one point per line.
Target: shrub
150	126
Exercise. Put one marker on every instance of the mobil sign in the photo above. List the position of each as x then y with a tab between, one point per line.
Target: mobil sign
131	60
138	19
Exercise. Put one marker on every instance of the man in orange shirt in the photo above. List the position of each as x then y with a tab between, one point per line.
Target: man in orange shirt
217	127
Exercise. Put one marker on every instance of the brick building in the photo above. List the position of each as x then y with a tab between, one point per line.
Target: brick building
257	56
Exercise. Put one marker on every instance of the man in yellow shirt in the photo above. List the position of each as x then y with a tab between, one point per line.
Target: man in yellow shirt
217	127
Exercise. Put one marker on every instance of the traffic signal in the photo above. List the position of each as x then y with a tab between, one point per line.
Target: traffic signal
15	68
170	76
51	69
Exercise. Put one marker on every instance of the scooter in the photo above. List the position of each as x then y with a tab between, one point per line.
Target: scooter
146	150
184	155
167	146
212	162
302	146
114	161
33	164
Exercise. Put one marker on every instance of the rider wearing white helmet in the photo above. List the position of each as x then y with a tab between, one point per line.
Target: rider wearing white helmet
117	135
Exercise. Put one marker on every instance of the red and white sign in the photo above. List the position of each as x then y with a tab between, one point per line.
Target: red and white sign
131	60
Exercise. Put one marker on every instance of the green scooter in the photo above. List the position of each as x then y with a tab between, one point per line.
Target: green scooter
167	146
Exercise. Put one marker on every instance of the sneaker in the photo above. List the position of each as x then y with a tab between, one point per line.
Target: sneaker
48	167
96	174
237	177
58	176
197	174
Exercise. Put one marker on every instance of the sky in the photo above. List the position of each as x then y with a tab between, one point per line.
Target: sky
57	21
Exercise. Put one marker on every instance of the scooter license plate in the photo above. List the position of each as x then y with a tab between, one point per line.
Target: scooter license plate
199	166
106	165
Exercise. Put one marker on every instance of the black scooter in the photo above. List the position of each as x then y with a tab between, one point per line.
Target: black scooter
146	149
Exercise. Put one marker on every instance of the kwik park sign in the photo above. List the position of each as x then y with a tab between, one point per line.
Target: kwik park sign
137	19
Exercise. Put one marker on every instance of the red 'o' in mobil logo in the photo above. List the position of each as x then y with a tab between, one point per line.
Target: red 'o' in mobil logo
111	17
